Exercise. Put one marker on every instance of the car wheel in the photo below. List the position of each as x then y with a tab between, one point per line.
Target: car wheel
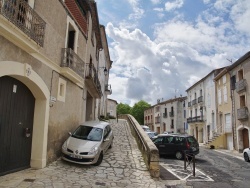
179	155
246	157
99	161
111	144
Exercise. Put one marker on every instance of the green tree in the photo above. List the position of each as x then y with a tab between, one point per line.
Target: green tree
138	111
123	109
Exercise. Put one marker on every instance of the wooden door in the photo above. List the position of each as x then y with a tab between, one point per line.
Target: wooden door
16	125
245	138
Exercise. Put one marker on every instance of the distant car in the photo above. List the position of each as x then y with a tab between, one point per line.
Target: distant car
88	143
146	128
151	134
246	154
168	132
176	144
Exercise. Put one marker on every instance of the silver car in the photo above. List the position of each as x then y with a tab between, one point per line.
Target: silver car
246	154
88	143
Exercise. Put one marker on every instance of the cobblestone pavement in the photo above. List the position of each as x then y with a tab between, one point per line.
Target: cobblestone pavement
122	166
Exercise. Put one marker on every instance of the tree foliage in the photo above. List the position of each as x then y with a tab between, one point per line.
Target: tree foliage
123	109
138	111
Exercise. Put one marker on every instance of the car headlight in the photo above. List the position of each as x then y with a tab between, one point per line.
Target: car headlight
93	151
64	146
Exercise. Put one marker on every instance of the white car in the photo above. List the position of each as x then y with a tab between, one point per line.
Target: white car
246	154
88	143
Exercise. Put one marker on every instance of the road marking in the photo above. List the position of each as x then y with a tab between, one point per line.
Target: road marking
186	175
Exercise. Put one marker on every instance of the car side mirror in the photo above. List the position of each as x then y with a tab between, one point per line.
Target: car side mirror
70	133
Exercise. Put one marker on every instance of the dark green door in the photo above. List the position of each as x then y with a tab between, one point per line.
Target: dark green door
16	125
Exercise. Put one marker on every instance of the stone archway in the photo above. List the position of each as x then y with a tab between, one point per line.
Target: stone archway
25	74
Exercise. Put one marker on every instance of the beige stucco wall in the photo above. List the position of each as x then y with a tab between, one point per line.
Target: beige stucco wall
61	116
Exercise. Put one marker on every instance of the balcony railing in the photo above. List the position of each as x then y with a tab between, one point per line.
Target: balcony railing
165	115
171	114
108	89
241	85
200	99
25	18
92	79
189	104
242	113
71	60
194	101
195	119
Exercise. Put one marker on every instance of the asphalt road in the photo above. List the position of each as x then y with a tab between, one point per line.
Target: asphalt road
212	170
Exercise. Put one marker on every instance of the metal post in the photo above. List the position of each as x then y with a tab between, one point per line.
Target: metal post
185	163
193	165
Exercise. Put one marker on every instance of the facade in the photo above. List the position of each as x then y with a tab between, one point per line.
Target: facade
224	111
167	115
148	118
111	108
201	108
49	81
240	81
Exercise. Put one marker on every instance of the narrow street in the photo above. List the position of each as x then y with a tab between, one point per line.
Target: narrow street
213	169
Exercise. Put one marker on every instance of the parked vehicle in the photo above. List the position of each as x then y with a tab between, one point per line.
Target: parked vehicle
176	144
168	132
246	154
88	143
146	128
151	134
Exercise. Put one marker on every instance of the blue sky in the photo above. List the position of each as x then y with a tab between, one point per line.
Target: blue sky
160	48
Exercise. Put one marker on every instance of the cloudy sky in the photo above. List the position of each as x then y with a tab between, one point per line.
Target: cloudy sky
160	48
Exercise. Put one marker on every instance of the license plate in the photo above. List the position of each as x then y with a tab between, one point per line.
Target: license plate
75	156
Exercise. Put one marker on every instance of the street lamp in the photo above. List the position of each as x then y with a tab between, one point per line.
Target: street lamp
105	70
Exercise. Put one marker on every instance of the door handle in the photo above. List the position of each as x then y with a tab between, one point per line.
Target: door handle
27	132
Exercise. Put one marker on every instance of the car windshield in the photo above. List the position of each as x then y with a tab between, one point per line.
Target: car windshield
88	133
191	140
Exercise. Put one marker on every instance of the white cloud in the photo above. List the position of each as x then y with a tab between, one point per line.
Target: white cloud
137	12
169	6
180	54
156	1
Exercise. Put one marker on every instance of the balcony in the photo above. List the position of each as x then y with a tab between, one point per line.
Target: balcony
25	18
108	89
241	85
194	101
195	119
165	115
242	113
171	114
200	99
70	60
189	104
92	81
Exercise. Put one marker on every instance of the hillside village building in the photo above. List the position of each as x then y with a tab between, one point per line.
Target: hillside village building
167	116
52	64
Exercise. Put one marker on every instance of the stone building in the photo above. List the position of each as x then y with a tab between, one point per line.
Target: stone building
49	77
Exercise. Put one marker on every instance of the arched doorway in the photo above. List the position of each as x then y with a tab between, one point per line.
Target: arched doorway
245	138
16	124
27	77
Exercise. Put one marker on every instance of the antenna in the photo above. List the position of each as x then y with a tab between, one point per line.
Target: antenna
230	60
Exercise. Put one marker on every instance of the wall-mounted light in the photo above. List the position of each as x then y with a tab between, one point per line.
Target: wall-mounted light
105	70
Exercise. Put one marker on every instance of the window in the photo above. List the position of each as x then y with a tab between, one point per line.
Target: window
240	74
71	35
200	92
224	79
61	94
219	96
172	124
225	93
242	101
184	112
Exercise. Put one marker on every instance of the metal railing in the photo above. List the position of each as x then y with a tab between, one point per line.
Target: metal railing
194	101
189	161
108	88
25	18
200	99
241	85
242	113
71	60
91	73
